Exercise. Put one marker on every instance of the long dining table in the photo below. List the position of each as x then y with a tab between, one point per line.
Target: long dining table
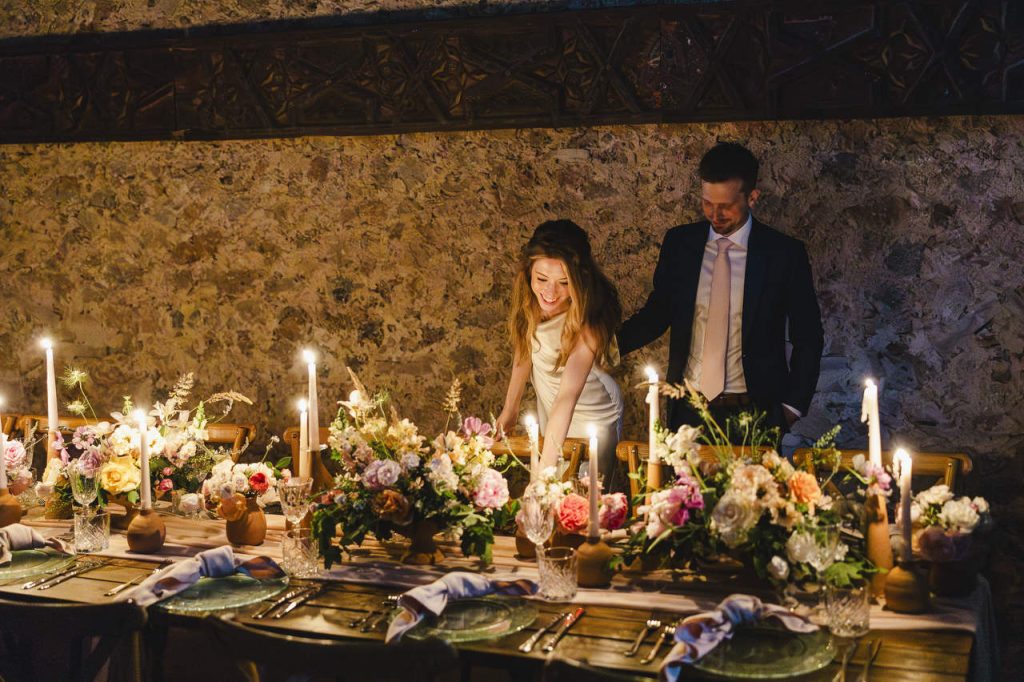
935	647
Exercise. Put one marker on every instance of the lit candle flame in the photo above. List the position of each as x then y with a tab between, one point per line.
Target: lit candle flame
652	376
46	342
303	405
308	356
355	397
901	464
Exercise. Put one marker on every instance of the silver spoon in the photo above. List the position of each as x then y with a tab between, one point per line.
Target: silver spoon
651	624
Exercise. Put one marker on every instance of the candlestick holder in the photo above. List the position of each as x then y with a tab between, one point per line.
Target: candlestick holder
592	563
10	508
146	532
878	547
906	588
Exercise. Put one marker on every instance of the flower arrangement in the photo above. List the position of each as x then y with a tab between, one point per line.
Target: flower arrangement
948	523
392	478
175	437
230	484
19	471
755	507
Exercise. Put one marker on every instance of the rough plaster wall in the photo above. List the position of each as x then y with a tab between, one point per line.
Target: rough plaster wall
394	254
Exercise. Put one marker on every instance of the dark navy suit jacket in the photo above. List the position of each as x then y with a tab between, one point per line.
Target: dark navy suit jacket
777	289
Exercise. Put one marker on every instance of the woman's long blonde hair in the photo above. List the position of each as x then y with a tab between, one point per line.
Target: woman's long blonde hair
594	301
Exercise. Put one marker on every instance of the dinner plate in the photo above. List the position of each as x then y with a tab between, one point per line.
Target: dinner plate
476	618
26	563
769	651
230	592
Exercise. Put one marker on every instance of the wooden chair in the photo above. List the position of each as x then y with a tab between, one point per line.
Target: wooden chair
264	656
41	423
322	478
7	423
573	451
930	468
90	634
234	435
635	454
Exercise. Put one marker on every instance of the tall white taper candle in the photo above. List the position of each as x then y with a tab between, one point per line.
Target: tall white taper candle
146	498
904	469
653	465
533	434
52	419
595	486
3	448
869	414
314	417
303	437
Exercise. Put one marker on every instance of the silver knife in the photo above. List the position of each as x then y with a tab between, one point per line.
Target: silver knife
52	576
302	599
571	619
290	594
82	568
527	646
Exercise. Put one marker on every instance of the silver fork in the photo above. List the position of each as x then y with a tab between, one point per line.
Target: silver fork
50	576
361	620
667	633
872	653
136	580
847	655
651	624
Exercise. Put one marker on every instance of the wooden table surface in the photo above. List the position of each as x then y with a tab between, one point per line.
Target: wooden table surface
597	638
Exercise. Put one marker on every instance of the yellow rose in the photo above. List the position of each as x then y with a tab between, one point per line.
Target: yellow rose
120	475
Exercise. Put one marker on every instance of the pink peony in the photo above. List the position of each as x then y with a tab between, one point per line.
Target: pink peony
613	511
573	513
492	492
14	455
259	483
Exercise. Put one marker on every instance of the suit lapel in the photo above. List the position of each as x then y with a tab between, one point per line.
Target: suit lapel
691	259
753	284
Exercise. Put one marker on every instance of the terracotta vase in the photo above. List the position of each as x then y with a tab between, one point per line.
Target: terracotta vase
250	528
122	521
423	550
57	508
560	539
146	533
906	588
10	508
952	578
525	549
592	563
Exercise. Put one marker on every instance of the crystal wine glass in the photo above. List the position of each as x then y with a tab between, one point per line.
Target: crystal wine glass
826	541
294	494
538	519
83	486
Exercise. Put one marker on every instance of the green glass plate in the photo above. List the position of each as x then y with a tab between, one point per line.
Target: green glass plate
230	592
30	562
769	651
476	618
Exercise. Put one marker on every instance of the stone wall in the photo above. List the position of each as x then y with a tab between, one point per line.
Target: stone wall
394	255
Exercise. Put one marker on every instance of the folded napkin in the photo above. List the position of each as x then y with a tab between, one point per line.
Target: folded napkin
699	634
17	536
432	598
213	563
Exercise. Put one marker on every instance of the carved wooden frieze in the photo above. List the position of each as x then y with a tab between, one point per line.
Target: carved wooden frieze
695	62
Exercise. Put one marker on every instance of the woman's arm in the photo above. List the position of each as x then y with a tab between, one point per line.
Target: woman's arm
574	378
506	421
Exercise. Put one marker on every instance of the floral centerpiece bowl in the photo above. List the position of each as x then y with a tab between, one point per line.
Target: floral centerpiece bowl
392	479
239	492
948	533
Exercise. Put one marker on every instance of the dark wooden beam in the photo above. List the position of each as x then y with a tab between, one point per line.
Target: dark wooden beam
725	61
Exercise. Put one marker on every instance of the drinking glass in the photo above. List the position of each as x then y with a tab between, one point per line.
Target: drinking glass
83	487
294	495
538	519
557	568
826	541
92	530
849	609
28	497
299	553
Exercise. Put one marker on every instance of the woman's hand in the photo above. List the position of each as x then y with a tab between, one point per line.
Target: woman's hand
506	422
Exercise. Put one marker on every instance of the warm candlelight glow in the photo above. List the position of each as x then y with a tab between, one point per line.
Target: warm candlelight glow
594	487
533	433
308	356
303	405
901	464
46	343
145	493
903	468
652	376
355	397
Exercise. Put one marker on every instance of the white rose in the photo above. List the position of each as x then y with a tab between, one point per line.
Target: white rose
981	504
732	518
937	494
959	514
778	568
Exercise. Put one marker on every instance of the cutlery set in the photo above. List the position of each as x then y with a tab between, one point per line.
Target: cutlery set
49	580
374	618
563	621
291	600
136	580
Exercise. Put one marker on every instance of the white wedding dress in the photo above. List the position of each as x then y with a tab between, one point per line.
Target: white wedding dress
600	403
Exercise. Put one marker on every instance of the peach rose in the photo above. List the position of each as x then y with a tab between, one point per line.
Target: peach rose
804	488
573	513
392	506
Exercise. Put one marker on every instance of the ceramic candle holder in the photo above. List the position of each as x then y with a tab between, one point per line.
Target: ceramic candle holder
879	548
146	532
906	588
592	560
10	508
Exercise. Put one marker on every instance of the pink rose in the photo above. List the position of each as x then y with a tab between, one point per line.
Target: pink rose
259	483
573	513
613	511
165	484
492	491
168	471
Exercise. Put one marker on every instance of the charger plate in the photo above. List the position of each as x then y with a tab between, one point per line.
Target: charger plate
476	618
30	562
230	592
769	651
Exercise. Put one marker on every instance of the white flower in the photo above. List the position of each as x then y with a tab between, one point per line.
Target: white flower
778	568
410	460
959	515
937	494
800	547
733	517
981	504
680	447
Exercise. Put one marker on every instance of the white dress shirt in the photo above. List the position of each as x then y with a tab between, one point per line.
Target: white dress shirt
737	254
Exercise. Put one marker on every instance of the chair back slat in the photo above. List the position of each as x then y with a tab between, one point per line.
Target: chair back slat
7	423
234	435
322	478
573	452
930	468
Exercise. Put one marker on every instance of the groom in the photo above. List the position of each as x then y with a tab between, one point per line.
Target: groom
731	288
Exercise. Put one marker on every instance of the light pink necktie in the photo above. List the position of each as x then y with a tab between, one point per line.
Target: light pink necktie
716	331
